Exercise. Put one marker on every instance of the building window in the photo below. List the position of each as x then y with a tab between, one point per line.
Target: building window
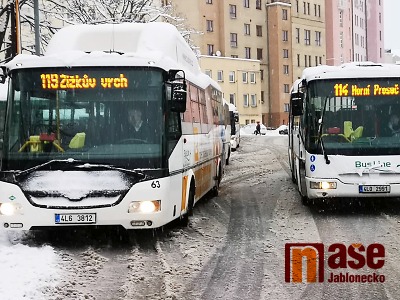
253	100
246	3
220	75
259	30
305	61
285	53
210	49
286	88
297	6
208	73
247	52
380	17
246	100
232	11
244	77
316	60
286	107
341	18
298	35
318	38
252	77
304	7
262	97
319	11
298	60
285	35
341	39
234	40
232	76
286	69
234	56
258	4
262	75
210	27
284	14
232	99
307	34
246	29
259	53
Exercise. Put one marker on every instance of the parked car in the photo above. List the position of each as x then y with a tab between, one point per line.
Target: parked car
283	129
251	128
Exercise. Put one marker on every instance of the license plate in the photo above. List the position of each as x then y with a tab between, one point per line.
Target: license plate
374	188
75	218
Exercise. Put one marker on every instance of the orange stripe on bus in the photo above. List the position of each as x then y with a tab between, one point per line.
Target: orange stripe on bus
184	186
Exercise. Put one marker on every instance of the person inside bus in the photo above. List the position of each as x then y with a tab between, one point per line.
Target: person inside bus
137	128
394	125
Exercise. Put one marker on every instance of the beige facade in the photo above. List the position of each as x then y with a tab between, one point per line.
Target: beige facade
308	35
240	80
231	29
280	62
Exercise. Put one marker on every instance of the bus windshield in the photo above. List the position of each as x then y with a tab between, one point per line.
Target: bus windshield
99	115
353	117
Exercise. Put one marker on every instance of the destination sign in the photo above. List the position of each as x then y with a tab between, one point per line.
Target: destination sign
354	90
54	81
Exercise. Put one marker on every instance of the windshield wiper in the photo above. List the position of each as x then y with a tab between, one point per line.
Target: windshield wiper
79	164
321	121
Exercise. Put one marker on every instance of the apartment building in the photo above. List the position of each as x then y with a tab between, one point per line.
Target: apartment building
239	80
234	29
308	35
354	31
285	36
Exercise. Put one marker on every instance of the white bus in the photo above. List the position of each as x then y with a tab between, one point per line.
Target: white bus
341	143
235	126
69	155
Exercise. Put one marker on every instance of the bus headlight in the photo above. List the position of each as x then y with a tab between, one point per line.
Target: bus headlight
8	208
322	185
146	207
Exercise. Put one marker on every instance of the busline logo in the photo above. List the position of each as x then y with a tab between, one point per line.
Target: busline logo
309	258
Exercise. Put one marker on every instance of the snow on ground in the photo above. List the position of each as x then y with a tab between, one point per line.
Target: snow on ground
25	271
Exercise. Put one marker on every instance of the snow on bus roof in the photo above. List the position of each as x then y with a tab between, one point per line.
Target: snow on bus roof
154	44
351	70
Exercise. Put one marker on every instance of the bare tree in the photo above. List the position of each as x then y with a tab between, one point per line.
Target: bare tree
55	14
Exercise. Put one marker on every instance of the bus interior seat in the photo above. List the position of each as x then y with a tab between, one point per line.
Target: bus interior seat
78	141
356	134
347	129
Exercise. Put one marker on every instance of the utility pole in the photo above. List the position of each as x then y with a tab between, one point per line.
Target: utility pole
37	31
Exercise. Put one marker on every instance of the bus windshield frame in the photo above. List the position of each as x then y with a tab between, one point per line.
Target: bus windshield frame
351	116
82	113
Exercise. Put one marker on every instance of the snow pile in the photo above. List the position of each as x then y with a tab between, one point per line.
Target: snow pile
25	271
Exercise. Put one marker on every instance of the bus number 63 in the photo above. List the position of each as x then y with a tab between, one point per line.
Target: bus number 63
155	184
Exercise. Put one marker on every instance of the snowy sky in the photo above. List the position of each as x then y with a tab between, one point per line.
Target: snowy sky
391	23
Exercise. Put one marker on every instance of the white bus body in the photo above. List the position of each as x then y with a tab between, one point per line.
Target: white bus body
68	159
340	144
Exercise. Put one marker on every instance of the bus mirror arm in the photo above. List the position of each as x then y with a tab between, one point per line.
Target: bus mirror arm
3	74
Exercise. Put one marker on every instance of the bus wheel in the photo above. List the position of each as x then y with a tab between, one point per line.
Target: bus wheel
305	200
293	172
215	189
229	155
189	212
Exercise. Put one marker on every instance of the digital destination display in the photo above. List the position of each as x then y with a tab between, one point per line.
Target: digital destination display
353	90
53	81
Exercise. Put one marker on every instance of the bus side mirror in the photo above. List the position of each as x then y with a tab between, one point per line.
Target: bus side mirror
3	75
296	104
178	91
